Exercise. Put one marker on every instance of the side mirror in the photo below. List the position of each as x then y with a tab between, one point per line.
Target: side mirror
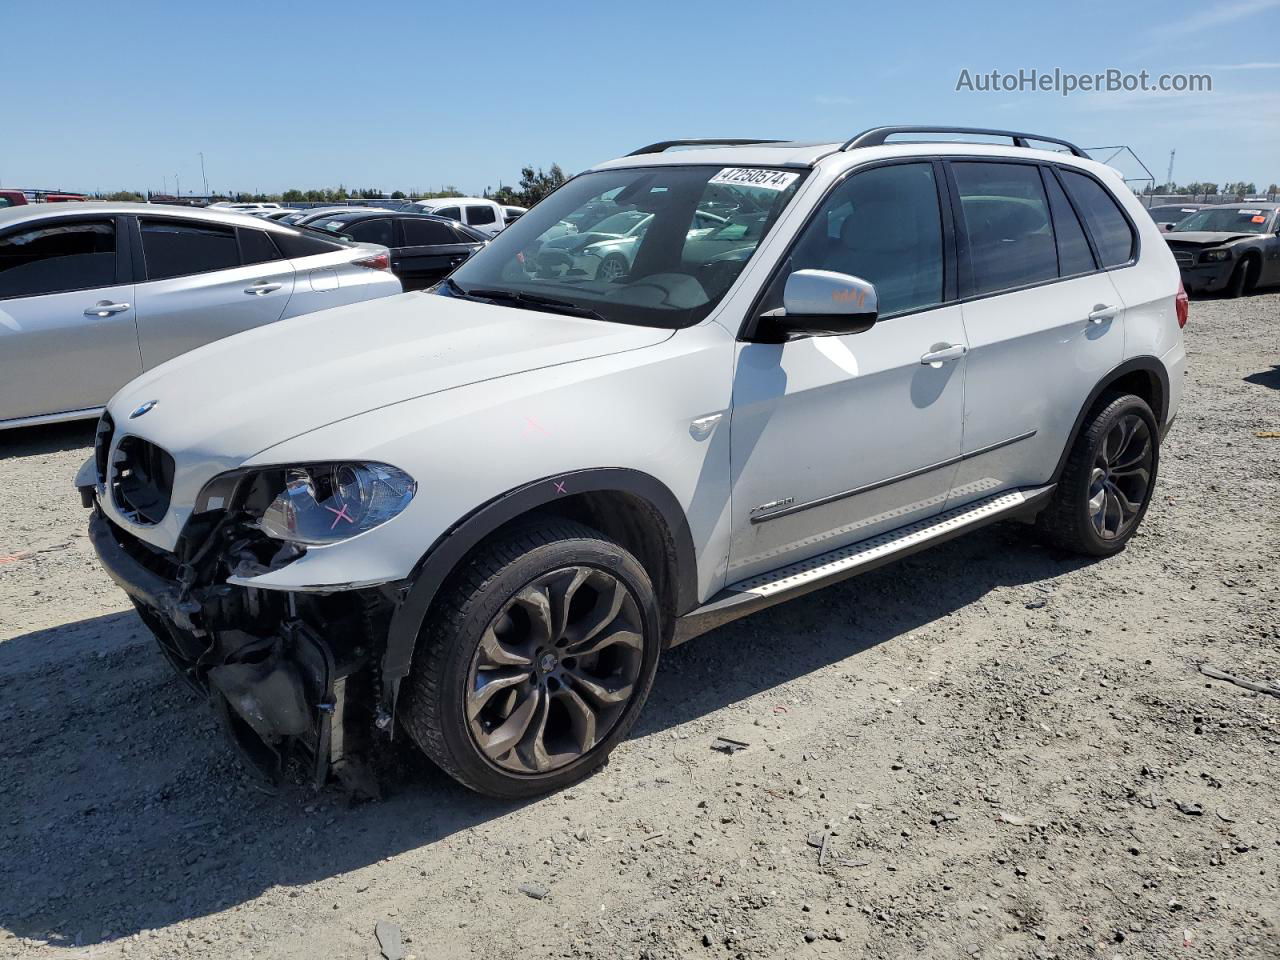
823	303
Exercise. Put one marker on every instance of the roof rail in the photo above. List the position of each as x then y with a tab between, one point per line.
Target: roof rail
876	136
664	145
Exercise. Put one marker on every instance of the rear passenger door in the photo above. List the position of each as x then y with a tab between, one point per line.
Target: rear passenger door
204	281
67	334
427	251
1042	318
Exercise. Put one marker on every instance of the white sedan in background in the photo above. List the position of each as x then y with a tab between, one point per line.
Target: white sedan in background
93	294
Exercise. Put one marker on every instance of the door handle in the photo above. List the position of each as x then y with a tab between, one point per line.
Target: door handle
261	288
1101	313
105	308
944	353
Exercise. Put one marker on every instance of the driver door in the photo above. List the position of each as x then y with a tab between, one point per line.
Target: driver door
837	439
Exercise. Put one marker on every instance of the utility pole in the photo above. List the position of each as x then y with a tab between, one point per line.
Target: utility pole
1168	177
202	175
177	186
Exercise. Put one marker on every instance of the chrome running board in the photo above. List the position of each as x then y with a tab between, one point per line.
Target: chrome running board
796	579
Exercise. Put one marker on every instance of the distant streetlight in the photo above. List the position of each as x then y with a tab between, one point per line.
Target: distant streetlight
202	175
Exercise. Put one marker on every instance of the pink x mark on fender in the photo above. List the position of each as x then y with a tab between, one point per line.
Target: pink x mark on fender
559	485
339	515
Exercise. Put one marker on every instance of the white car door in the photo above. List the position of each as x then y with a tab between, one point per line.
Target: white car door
67	334
203	283
836	439
1043	321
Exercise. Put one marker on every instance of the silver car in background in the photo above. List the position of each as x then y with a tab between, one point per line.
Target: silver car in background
93	294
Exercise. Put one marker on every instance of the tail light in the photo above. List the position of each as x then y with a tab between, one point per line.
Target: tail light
379	261
1182	304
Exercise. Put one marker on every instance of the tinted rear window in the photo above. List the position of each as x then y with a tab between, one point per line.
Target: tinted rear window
1074	255
294	245
1111	232
1007	227
176	249
372	231
481	215
256	247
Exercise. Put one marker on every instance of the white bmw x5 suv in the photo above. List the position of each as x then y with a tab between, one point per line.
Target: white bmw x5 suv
481	512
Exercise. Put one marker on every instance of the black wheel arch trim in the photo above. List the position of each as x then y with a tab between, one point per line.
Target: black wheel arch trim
1143	364
453	545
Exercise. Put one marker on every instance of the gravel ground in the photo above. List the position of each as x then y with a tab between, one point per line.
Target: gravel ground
1007	753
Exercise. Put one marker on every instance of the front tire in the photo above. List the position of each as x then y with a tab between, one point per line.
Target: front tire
1108	479
613	267
534	661
1242	281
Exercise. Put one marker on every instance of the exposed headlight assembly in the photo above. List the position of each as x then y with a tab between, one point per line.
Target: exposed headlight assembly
1214	256
329	502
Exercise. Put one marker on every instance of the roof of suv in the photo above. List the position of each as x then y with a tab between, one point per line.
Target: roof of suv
869	145
38	211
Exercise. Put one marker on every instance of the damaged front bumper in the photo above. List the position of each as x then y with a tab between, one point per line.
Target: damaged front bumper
291	675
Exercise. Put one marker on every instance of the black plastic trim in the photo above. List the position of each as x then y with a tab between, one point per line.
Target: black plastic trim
131	576
449	549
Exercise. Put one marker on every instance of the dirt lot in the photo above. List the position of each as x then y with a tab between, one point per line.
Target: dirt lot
1009	752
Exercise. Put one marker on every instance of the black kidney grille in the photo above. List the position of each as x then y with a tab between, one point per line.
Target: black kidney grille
141	480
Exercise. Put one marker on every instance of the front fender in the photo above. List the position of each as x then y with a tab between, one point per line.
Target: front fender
447	552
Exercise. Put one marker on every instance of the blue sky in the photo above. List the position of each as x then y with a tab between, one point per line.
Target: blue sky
418	95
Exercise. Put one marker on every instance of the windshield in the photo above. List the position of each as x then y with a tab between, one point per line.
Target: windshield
1235	220
337	226
657	246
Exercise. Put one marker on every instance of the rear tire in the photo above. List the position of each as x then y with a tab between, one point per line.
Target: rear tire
534	661
1108	479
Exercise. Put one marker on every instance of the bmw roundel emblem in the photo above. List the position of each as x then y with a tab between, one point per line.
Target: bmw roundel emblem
145	408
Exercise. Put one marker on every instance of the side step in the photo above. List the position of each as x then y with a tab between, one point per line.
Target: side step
796	579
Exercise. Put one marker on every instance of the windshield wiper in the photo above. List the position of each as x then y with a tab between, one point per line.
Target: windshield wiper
531	301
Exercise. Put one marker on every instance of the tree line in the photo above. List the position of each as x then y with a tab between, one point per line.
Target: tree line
1239	189
535	183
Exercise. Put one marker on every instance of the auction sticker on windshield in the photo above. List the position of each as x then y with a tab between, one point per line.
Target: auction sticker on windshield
755	177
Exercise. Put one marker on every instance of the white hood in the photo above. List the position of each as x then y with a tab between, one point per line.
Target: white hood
231	399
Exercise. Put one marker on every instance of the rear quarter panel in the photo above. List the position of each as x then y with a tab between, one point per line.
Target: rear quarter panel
1147	288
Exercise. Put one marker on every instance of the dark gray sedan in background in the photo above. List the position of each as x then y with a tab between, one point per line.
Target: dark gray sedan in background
1231	248
424	249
